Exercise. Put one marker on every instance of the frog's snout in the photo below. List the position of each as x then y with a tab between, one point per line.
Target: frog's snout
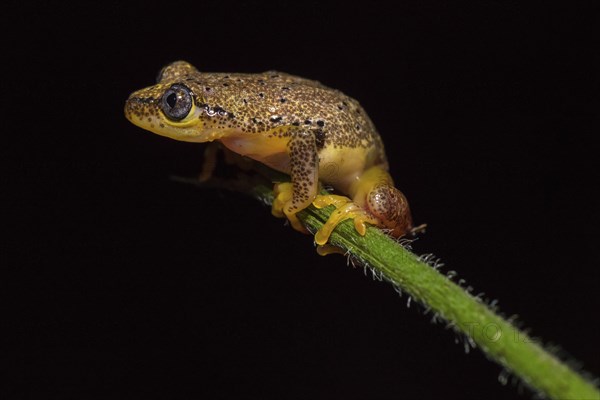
142	111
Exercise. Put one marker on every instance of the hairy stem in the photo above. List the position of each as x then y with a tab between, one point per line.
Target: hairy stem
497	337
507	345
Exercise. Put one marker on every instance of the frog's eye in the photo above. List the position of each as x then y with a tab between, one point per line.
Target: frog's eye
176	103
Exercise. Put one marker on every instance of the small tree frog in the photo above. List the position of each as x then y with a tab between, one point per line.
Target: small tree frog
291	124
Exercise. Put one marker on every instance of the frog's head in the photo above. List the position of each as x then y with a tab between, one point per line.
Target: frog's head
170	108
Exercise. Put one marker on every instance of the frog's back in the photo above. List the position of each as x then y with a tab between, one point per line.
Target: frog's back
274	101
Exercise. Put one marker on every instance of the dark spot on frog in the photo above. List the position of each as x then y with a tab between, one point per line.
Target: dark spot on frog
282	100
285	88
225	84
207	89
321	123
319	138
296	123
275	119
307	122
245	101
261	95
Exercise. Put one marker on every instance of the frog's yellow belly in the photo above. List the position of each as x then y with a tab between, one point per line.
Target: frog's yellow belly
338	167
270	151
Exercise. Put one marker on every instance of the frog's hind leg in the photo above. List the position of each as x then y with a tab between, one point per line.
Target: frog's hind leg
293	197
390	206
375	201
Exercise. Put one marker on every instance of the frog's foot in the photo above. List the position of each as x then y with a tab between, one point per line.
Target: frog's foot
283	195
345	209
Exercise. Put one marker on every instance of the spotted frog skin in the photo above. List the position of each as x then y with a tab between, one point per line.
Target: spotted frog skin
291	124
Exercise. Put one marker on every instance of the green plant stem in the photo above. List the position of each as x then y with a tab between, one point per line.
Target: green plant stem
498	338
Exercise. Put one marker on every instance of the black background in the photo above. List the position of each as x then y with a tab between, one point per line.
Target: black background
125	284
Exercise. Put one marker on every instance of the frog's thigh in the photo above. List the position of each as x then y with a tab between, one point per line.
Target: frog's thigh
375	188
304	171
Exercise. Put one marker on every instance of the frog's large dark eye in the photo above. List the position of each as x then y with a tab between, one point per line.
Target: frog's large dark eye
176	103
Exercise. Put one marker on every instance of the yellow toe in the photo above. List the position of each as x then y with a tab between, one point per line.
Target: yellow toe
296	224
327	249
330	200
283	194
345	209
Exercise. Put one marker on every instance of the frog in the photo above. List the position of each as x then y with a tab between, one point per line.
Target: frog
317	135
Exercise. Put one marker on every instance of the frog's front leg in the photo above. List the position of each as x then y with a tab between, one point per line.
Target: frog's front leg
209	163
293	197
